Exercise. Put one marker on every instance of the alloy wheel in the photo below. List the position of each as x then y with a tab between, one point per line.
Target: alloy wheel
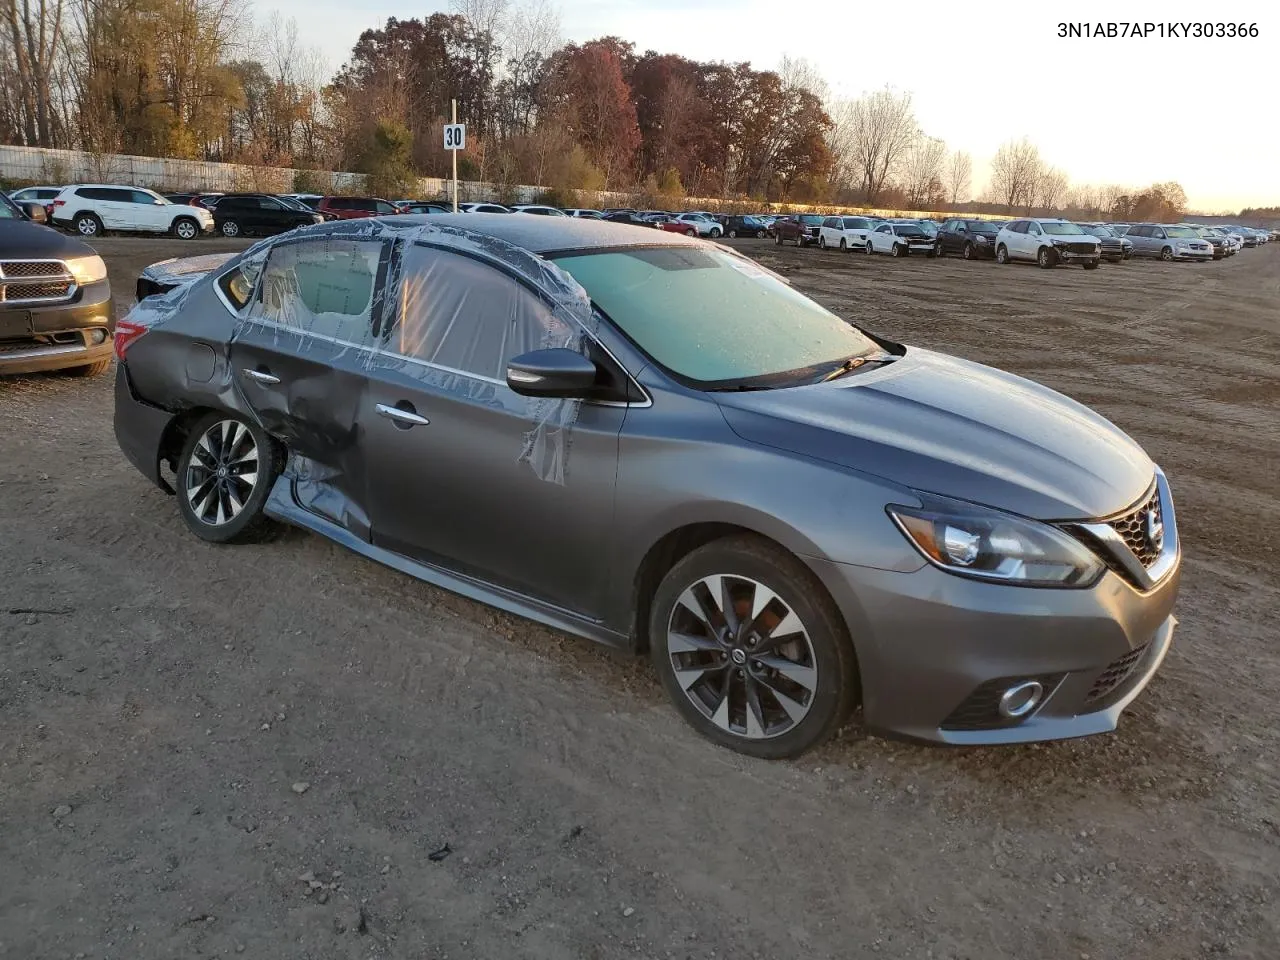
185	230
230	228
222	472
742	656
87	227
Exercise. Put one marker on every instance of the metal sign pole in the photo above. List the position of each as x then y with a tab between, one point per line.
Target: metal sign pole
454	154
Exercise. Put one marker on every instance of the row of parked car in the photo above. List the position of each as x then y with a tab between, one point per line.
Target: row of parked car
1048	241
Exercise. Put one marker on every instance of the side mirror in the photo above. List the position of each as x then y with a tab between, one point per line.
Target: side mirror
35	212
555	372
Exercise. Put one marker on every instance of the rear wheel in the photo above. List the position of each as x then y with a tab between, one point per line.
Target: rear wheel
691	232
224	476
87	225
751	649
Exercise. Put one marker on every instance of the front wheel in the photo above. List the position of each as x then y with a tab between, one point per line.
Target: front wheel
822	243
969	251
89	369
1046	258
898	250
184	228
733	234
844	245
1167	254
1091	264
224	475
870	249
777	239
1002	254
230	228
715	233
751	649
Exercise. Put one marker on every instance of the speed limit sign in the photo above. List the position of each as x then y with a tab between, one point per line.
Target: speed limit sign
455	136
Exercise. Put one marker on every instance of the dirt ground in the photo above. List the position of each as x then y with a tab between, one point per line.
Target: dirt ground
255	751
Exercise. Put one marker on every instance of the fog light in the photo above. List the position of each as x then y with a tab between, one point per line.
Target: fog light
98	336
1020	699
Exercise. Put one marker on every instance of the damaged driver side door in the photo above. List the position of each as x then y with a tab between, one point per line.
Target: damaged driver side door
300	361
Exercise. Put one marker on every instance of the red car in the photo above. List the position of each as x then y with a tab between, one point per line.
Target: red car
355	208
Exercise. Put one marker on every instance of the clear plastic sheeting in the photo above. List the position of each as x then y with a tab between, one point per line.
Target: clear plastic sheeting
453	308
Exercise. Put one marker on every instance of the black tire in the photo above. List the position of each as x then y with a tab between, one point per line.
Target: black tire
898	250
836	689
932	253
87	224
870	249
969	253
1091	264
844	245
89	369
691	232
777	239
1002	254
715	233
230	228
1046	258
733	234
186	228
249	524
1166	254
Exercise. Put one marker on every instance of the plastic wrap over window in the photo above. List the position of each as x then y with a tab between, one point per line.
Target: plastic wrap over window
455	304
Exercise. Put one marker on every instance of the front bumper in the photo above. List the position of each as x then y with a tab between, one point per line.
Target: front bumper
935	651
1073	256
38	337
1193	254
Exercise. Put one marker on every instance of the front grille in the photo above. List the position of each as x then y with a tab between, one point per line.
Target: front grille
44	290
1117	672
1142	530
981	709
10	269
38	281
1081	248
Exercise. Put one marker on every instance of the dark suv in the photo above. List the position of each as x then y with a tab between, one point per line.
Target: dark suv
801	229
55	301
356	208
972	239
258	215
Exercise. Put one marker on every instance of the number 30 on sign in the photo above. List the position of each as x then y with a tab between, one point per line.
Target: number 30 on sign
455	136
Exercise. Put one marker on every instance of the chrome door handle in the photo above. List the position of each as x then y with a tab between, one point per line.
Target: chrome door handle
260	376
403	416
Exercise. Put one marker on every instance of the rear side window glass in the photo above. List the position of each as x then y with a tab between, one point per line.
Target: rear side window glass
325	287
458	313
137	196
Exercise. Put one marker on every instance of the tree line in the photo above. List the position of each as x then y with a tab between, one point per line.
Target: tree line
188	79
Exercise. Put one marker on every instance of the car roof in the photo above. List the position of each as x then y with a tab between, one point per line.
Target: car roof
552	234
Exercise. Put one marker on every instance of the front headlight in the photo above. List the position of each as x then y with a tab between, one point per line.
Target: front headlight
982	239
987	544
87	270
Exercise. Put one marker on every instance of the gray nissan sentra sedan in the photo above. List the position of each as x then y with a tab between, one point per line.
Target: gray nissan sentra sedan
653	442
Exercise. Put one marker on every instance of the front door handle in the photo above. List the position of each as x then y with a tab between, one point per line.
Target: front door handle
405	418
261	376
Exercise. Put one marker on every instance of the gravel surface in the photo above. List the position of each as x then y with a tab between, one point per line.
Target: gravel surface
288	751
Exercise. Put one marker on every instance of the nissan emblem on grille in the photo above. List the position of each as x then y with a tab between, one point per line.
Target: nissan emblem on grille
1154	529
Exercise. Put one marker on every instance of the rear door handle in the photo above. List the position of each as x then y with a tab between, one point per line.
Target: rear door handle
261	376
408	418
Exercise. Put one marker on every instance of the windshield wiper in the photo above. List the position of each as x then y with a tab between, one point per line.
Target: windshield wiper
853	363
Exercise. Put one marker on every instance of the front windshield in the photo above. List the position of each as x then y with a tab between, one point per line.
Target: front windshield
7	210
1056	229
811	219
909	230
982	226
712	317
1180	233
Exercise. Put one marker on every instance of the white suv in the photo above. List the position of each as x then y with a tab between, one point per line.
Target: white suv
700	224
1048	242
91	209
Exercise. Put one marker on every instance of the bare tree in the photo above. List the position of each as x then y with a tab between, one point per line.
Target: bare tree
922	172
797	73
30	48
958	173
882	127
1015	173
1050	187
841	142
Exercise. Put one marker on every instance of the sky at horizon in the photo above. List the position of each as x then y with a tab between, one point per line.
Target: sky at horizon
1132	110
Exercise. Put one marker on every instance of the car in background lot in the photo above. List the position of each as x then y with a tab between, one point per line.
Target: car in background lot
584	213
206	200
736	225
836	492
801	229
694	225
928	226
1168	241
900	239
1223	245
42	195
972	239
295	204
538	210
55	298
357	208
1247	237
845	233
1048	241
90	209
258	215
482	208
1115	248
424	206
630	218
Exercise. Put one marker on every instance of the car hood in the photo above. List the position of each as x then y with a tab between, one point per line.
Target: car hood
938	423
22	239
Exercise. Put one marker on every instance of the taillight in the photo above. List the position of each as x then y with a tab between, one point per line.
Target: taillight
59	203
126	333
